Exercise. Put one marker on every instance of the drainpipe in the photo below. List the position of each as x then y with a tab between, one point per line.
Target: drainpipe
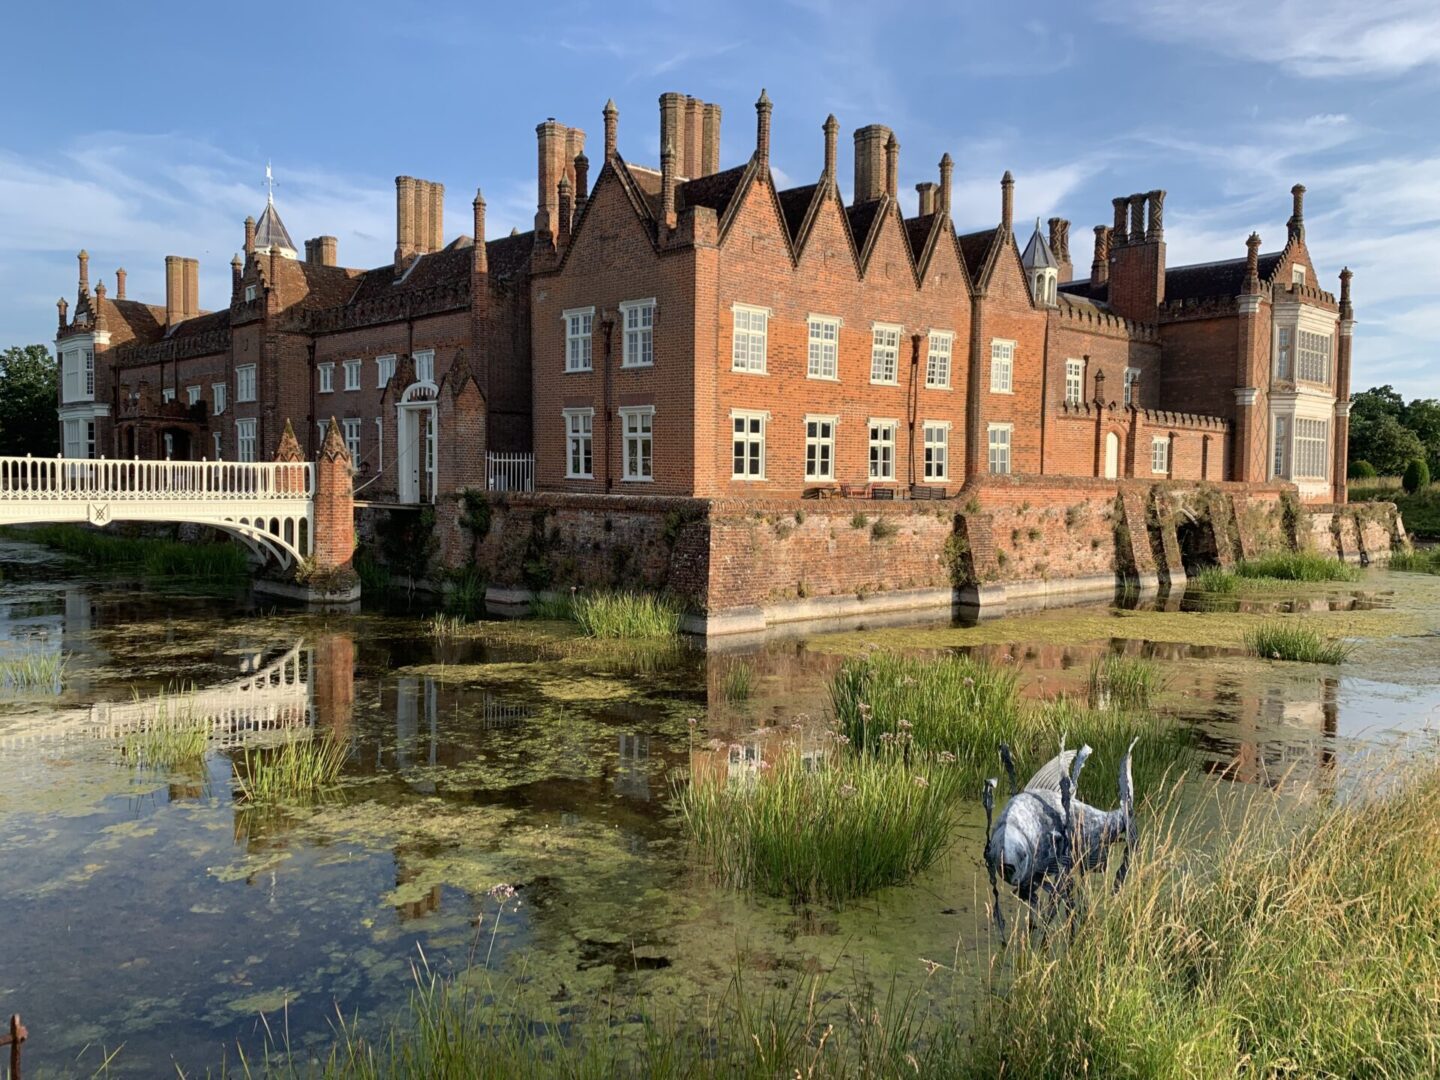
912	403
608	327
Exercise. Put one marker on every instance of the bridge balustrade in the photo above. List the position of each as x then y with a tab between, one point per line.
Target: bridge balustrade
218	481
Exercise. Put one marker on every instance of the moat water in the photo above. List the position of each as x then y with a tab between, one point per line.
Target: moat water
152	912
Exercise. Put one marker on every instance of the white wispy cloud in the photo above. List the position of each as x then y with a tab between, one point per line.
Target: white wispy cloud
1313	38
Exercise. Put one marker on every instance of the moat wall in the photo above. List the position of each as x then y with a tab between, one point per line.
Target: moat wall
743	565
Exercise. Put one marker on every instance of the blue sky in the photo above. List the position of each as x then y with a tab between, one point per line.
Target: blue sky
152	138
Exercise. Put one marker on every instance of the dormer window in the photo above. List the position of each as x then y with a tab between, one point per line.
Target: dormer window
249	293
1297	275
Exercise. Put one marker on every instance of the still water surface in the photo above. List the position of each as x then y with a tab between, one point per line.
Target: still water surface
151	909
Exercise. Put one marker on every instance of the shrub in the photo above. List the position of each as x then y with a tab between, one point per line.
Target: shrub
858	520
625	615
1362	470
1417	476
883	529
1291	641
834	833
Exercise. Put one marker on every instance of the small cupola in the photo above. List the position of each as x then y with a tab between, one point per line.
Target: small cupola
271	236
1041	267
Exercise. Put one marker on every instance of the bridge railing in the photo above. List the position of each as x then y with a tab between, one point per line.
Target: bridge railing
219	481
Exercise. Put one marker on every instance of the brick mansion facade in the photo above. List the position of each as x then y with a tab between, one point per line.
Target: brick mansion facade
689	330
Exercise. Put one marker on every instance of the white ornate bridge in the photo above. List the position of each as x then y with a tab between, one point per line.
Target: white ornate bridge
268	505
276	701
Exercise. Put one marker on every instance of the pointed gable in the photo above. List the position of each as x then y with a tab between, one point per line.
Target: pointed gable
975	250
795	206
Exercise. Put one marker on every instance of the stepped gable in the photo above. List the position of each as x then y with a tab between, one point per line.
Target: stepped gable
1217	279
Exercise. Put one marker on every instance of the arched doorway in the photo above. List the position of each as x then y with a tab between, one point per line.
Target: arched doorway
1112	456
415	439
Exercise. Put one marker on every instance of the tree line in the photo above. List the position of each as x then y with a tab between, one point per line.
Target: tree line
1387	434
28	392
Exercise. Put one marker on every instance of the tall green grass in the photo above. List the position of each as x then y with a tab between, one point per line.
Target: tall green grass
1124	682
1215	580
221	562
296	769
34	671
375	577
739	681
555	606
173	737
830	833
1294	641
625	615
1297	566
1421	561
1290	940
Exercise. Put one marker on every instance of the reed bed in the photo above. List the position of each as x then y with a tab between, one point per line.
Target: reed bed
1124	682
221	562
854	824
1289	940
447	627
175	736
1215	580
32	671
1305	566
1294	641
553	606
629	615
1421	561
296	769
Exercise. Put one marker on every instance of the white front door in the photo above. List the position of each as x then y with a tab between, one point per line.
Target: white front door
415	453
1112	456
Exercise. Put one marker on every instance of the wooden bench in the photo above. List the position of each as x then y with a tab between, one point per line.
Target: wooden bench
926	491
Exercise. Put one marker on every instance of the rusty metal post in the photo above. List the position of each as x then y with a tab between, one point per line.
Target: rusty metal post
17	1035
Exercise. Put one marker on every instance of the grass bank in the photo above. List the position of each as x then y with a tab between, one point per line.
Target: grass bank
1296	941
1421	511
222	562
1420	561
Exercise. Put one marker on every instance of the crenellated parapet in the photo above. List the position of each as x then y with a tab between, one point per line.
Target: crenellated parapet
176	348
1185	420
1097	320
1210	307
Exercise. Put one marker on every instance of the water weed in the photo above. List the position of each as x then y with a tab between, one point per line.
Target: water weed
1292	641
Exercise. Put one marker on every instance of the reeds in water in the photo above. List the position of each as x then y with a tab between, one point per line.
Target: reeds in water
625	615
174	735
1293	641
739	681
1420	561
1124	682
1297	566
554	606
296	769
854	824
33	671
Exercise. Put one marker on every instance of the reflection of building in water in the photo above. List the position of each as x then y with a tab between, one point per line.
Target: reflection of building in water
741	761
417	704
632	778
496	712
425	904
1283	733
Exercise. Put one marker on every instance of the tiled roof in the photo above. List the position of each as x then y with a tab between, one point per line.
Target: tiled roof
714	191
918	229
975	246
146	322
510	255
326	286
1204	280
1082	288
202	324
862	220
435	268
795	204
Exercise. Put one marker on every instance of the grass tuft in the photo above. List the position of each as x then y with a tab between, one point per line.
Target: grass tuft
625	615
296	769
1297	566
1215	580
34	671
739	681
1420	561
556	606
1292	641
852	825
1124	682
173	737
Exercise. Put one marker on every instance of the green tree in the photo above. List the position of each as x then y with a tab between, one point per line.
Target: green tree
1388	445
1417	476
1422	416
29	423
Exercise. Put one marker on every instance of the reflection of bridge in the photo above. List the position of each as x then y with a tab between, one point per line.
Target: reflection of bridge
289	508
276	700
269	505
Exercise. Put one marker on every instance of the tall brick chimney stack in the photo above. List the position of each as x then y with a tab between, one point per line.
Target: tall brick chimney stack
182	288
322	251
1295	227
582	181
1347	310
892	166
710	141
1137	256
237	271
691	146
249	237
1100	266
481	257
62	307
870	142
84	259
1007	202
762	129
672	121
120	284
831	128
567	207
926	190
558	147
1060	246
947	171
612	123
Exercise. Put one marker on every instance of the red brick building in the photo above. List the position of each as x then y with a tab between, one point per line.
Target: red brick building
692	330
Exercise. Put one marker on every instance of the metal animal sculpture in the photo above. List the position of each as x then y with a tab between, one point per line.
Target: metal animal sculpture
1043	832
